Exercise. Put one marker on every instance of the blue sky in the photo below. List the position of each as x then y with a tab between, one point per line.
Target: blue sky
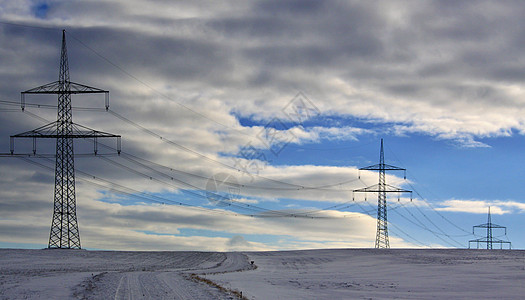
204	93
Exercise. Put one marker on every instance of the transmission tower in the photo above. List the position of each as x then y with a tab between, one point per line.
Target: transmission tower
382	189
489	240
64	227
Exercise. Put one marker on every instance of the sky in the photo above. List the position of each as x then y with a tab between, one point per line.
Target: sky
244	123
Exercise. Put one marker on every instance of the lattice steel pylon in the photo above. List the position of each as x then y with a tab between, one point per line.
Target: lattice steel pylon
489	240
64	226
382	189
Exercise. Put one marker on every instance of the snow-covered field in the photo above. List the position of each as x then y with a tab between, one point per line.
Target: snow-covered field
308	274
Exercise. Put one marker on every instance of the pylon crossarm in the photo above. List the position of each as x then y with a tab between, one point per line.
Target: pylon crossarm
50	131
484	239
78	135
377	189
491	225
83	131
43	131
381	167
78	132
55	88
490	242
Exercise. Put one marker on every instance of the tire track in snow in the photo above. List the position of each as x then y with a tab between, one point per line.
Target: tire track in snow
173	282
119	287
162	285
234	262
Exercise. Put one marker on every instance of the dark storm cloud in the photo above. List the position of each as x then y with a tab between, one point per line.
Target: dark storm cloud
155	56
296	7
302	34
20	204
273	39
26	58
33	233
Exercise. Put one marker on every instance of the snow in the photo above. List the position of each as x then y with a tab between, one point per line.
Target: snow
80	274
306	274
382	274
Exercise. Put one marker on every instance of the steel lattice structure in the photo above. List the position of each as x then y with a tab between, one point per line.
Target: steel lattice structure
64	226
382	189
489	240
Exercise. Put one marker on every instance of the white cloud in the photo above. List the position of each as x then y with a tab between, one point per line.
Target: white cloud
497	207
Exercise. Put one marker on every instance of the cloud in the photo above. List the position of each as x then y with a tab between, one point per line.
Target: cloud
190	71
440	90
238	242
497	207
123	225
149	227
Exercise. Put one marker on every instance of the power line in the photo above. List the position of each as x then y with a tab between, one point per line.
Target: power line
128	156
310	212
30	26
261	212
126	190
324	188
436	211
152	133
423	226
118	188
433	231
170	142
409	236
234	203
48	106
373	209
134	159
427	202
231	202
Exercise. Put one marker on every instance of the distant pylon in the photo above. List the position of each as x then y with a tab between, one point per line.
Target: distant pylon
382	189
489	240
64	226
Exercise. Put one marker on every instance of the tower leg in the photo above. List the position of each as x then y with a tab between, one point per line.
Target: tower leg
64	226
382	240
